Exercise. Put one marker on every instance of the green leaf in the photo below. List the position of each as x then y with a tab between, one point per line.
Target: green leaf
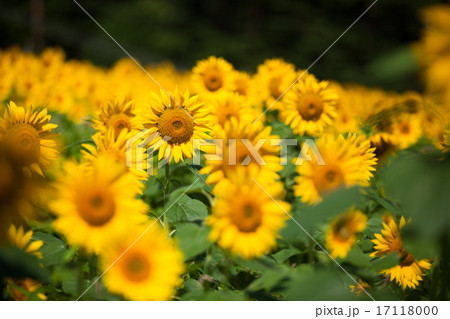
16	263
284	254
192	239
357	258
184	208
267	281
53	251
385	262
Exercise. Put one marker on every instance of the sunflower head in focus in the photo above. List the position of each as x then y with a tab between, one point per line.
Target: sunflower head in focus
245	219
118	115
347	161
410	270
149	270
342	232
211	76
309	106
26	135
176	124
95	202
235	154
272	79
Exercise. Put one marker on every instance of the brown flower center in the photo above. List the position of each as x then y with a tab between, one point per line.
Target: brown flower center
310	107
136	267
328	177
97	207
118	122
247	217
177	124
213	82
23	143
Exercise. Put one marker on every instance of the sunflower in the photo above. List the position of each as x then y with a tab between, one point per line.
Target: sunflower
227	105
360	287
22	240
309	106
96	202
174	122
27	136
410	270
272	79
341	234
347	162
115	147
118	115
236	154
149	270
407	129
211	76
245	220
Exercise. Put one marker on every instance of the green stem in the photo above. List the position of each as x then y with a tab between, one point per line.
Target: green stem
311	251
166	189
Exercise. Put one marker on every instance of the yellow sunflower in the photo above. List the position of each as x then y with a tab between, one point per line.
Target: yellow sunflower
359	289
27	136
341	234
149	270
211	76
410	270
118	115
115	147
174	125
245	220
96	203
309	106
22	240
227	105
272	79
347	162
235	153
407	130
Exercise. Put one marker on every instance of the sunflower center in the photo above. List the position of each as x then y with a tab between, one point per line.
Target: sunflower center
274	88
247	217
213	82
96	208
177	124
119	122
328	177
404	128
23	143
407	260
310	107
136	267
342	230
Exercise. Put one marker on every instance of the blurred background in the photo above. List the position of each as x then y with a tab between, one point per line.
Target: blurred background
376	51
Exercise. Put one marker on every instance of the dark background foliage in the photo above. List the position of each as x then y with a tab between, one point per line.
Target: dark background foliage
376	51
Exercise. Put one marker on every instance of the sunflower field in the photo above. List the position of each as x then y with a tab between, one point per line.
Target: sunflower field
155	183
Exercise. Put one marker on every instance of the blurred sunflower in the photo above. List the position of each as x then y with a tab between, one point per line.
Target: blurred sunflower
341	234
227	105
235	153
272	79
96	202
407	130
309	106
27	135
115	147
118	115
211	76
16	287
175	124
359	289
347	162
149	270
410	270
245	219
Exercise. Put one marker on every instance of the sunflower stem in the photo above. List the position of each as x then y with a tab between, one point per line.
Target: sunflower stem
166	189
311	252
